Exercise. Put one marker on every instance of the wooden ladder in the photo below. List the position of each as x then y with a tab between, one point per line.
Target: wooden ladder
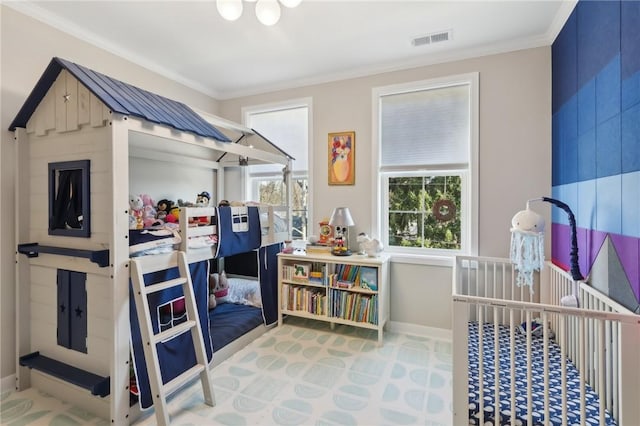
160	390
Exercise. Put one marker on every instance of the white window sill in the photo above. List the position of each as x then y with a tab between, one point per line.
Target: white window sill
422	259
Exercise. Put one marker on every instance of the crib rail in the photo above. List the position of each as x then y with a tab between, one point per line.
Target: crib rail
596	337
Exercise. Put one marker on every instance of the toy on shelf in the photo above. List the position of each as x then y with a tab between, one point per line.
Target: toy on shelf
163	208
148	212
202	200
369	246
135	212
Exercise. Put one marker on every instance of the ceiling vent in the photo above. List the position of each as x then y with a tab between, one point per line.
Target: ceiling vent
432	38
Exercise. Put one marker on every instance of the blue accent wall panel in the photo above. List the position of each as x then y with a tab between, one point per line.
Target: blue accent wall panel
609	201
555	150
608	148
598	34
630	140
585	210
631	204
608	91
587	156
569	119
567	194
570	160
564	61
587	107
630	39
630	91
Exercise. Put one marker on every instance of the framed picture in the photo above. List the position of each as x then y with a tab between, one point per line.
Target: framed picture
342	158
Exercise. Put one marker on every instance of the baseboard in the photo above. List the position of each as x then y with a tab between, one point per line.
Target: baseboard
8	383
419	330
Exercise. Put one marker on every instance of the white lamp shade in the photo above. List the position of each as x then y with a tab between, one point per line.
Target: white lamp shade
341	217
268	12
290	3
229	9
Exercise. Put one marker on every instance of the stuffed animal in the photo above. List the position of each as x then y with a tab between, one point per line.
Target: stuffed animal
135	212
162	209
371	246
148	211
202	200
174	215
218	289
182	203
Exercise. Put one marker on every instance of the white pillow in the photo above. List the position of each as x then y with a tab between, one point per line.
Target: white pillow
244	292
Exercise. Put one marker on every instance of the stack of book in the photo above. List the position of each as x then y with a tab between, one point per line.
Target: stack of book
318	249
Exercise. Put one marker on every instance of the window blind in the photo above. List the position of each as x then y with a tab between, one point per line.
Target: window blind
288	130
426	127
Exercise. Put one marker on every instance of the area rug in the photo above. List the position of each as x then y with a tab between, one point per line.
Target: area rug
303	373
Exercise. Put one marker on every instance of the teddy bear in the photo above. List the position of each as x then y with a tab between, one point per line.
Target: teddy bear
218	289
148	211
135	212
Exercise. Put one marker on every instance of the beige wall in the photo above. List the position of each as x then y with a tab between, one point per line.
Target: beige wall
515	159
27	46
515	148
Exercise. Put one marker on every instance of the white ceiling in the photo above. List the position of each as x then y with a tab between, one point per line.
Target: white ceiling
316	42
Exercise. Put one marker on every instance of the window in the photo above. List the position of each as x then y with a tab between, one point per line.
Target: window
287	126
69	206
427	166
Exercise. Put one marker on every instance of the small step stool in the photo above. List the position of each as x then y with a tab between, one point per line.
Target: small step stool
160	390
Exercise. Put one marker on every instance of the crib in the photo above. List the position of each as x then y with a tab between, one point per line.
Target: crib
521	358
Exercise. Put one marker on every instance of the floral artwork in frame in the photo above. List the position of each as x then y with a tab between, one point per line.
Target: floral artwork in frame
342	155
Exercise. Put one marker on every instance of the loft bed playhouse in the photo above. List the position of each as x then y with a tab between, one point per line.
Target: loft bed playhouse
85	142
535	355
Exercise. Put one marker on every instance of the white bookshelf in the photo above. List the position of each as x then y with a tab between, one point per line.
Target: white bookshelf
332	288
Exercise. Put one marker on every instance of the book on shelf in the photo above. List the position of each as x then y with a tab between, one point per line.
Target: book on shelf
301	271
317	249
343	284
369	278
287	272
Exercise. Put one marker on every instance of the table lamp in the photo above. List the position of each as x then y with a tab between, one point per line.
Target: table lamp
341	220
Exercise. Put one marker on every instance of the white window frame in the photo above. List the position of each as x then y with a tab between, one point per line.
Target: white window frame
250	181
470	176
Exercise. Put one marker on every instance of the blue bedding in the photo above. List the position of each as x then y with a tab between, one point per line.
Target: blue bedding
555	410
228	321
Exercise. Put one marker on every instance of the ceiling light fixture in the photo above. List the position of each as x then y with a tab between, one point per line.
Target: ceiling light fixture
267	11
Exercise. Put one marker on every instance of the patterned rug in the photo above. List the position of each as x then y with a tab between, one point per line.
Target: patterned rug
302	373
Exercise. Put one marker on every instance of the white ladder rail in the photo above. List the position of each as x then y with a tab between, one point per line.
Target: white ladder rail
160	391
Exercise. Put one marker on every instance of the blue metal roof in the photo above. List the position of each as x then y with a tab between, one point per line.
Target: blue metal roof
121	98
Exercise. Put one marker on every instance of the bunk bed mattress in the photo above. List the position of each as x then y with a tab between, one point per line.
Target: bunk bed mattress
144	242
228	321
538	392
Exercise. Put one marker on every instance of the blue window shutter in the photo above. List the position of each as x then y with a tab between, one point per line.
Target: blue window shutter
78	313
72	310
63	308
